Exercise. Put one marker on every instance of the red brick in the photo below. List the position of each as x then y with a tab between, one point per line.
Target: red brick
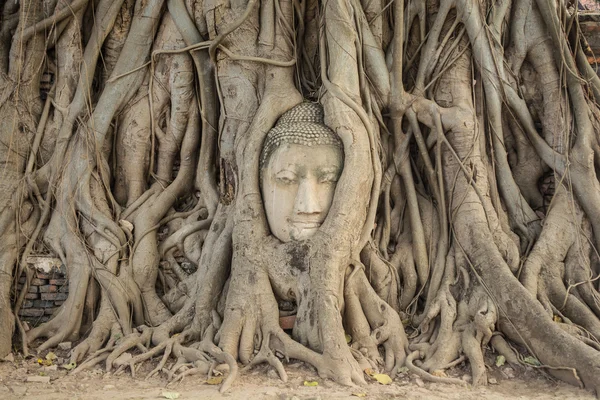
48	289
49	311
58	282
59	303
287	322
34	281
44	275
32	289
32	296
54	296
27	304
43	304
32	312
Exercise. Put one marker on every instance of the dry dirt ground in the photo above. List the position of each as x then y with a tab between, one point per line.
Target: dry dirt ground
262	383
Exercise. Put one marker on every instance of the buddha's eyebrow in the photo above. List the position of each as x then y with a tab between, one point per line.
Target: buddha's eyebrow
330	168
286	169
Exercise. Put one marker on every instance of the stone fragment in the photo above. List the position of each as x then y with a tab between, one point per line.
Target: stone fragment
65	346
19	391
272	374
38	379
509	372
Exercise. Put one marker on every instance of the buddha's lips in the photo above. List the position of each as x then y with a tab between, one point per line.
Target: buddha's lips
306	224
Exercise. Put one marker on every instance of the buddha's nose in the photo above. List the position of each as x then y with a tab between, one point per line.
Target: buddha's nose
307	199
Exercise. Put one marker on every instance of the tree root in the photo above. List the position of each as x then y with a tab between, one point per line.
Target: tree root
427	376
101	330
134	339
387	329
92	362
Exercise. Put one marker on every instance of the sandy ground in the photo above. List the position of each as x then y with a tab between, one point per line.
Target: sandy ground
262	383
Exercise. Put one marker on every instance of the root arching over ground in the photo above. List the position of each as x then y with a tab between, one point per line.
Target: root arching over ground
467	215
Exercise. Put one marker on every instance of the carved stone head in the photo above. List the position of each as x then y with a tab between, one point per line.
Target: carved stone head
300	164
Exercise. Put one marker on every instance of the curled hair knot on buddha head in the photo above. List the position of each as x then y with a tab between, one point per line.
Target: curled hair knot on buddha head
304	125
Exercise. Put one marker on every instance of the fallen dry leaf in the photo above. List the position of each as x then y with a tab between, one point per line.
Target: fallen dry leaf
384	379
70	366
215	380
439	373
500	360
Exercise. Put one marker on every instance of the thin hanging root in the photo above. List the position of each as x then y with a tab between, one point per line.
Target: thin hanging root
426	375
265	354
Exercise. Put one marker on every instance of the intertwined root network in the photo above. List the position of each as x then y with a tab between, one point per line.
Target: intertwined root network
466	215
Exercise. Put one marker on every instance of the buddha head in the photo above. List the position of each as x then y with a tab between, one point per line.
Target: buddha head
300	164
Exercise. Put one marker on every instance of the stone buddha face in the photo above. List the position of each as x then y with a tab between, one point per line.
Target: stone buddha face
301	162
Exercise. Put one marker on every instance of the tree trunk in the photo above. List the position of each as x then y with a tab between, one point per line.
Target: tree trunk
466	213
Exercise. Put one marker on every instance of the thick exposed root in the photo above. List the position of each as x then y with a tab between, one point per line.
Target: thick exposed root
382	323
135	339
427	376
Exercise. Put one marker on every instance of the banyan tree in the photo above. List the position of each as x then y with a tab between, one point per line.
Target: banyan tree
414	181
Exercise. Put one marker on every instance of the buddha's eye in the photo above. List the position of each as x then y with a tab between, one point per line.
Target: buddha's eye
330	177
286	178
